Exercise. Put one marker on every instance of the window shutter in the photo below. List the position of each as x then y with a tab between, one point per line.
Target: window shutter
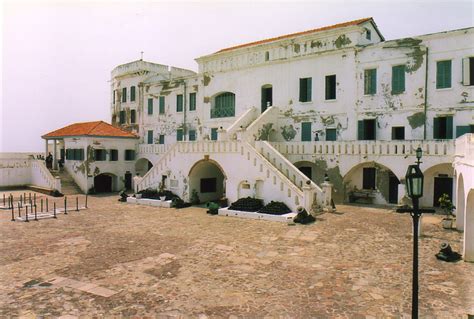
213	134
132	93
309	89
302	90
124	95
150	137
162	139
461	130
162	105
436	128
449	127
150	106
179	135
373	82
465	72
360	130
306	131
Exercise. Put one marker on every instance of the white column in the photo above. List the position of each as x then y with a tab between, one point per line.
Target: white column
46	148
327	196
308	197
55	155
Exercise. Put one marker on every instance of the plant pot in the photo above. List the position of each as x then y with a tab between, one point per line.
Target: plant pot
138	196
162	198
447	223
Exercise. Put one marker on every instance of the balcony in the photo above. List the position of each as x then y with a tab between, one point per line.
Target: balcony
155	149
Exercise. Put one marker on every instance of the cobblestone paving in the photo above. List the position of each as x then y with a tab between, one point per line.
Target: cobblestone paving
121	260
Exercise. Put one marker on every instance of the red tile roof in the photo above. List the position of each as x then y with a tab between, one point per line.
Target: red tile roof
335	26
97	128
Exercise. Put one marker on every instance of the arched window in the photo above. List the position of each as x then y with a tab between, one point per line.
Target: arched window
224	105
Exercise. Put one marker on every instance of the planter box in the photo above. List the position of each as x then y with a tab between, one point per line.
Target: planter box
149	202
252	215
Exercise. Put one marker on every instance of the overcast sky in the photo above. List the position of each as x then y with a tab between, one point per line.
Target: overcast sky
57	56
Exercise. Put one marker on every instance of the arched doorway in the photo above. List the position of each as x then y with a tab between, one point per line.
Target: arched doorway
372	180
438	181
142	166
207	178
460	201
104	183
469	228
267	97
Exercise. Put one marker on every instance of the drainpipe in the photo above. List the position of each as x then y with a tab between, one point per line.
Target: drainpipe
184	110
426	95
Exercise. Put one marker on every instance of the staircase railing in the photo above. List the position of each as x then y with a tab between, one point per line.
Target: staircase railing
242	122
42	177
269	116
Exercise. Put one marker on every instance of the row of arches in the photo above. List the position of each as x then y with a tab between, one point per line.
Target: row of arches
465	215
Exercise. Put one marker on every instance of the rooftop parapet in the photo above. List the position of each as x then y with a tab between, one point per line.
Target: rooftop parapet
136	66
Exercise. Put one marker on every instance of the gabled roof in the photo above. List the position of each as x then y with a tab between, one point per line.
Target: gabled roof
97	128
291	35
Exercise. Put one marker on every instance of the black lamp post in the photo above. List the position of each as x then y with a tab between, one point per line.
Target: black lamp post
414	188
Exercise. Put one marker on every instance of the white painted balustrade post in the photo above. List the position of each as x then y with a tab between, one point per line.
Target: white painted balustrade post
58	183
326	187
308	192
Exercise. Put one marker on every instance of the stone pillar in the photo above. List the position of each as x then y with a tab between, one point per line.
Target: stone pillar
55	154
308	197
136	180
46	149
221	134
327	196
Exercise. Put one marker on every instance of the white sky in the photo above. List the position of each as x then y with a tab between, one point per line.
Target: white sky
57	56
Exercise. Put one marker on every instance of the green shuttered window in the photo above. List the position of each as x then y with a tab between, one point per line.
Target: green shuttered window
179	103
370	81
224	105
214	134
179	135
306	131
162	105
133	116
192	135
443	74
443	128
398	79
132	94
305	89
124	95
129	155
331	134
161	139
192	101
113	155
150	106
150	137
330	87
122	117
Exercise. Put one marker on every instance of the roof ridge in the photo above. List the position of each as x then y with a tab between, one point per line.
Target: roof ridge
324	28
95	126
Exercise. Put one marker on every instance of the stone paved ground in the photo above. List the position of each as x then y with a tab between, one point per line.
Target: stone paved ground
121	260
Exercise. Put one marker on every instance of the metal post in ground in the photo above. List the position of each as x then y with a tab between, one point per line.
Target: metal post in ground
34	200
26	214
36	213
13	211
3	200
41	205
47	208
77	204
65	205
21	199
19	210
54	211
29	197
86	200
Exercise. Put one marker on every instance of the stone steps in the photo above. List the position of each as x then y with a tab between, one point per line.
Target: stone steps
68	185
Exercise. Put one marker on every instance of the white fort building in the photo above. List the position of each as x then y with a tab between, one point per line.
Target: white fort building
269	119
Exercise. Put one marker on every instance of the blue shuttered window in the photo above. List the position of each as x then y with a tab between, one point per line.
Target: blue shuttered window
398	79
224	105
443	74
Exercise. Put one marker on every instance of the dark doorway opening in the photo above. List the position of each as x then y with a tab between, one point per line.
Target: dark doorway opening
306	170
103	183
267	97
368	178
366	129
128	180
442	185
393	189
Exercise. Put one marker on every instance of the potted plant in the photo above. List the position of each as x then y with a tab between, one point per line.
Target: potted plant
448	208
161	191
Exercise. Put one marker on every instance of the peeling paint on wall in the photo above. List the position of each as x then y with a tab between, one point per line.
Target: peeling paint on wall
416	120
296	48
206	79
288	132
316	44
341	41
206	99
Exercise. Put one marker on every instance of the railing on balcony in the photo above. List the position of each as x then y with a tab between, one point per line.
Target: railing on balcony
400	148
153	148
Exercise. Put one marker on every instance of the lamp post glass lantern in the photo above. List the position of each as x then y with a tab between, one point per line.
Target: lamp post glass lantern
414	181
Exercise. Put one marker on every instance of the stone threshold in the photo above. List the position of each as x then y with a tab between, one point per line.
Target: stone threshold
285	218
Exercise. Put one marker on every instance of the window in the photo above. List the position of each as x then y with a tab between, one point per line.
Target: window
224	105
331	134
368	178
368	34
150	106
398	133
443	128
468	71
132	94
443	74
214	134
122	117
370	81
113	97
366	130
179	103
162	105
461	130
179	135
192	101
124	95
150	137
208	185
267	56
161	139
75	154
113	155
306	131
100	155
129	155
133	116
330	87
192	135
305	90
398	79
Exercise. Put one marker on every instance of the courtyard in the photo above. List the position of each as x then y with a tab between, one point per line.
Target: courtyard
123	260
